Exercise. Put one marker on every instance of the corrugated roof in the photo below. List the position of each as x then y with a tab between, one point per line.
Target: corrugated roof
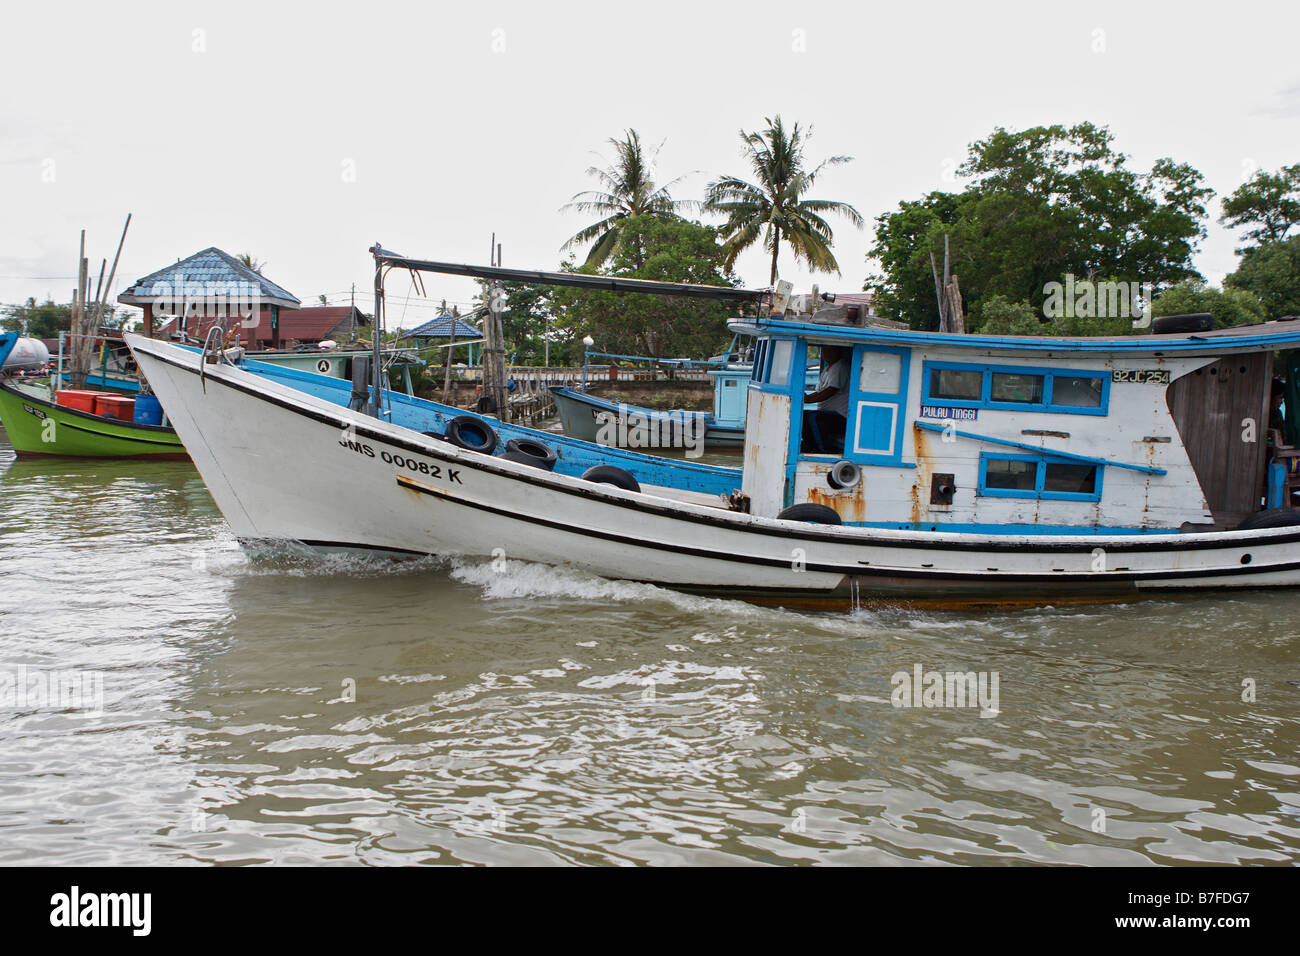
214	266
440	328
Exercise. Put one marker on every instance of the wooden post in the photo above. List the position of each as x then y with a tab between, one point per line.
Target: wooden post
99	305
494	373
79	358
451	347
938	292
956	310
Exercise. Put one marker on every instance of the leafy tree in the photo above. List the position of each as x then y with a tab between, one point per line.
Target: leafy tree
774	208
905	287
44	321
1269	203
998	315
1229	306
530	314
627	189
1272	272
1041	203
48	319
663	326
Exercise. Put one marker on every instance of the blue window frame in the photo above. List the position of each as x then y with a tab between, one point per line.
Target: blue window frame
1016	388
1043	477
774	364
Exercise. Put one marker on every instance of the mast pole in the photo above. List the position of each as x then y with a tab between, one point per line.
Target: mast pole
375	405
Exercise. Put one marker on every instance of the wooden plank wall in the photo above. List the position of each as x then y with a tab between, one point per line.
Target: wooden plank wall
1209	407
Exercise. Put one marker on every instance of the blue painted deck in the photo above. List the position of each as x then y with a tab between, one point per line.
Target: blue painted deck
574	456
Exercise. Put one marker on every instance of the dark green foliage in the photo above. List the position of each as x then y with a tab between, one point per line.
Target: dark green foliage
1040	203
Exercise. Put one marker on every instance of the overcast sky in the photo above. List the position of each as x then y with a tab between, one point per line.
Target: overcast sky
303	133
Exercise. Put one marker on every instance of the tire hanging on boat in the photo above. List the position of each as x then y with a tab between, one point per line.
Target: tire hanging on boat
529	452
811	512
1271	518
472	434
610	475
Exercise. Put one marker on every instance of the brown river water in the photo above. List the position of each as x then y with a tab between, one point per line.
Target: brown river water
213	708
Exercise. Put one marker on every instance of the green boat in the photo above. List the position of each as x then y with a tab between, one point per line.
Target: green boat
38	427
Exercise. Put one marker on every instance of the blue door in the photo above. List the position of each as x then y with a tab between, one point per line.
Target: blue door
877	405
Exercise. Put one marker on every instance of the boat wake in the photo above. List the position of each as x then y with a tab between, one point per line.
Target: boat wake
519	580
293	558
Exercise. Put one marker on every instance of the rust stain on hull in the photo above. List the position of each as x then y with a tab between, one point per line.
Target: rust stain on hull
924	468
850	506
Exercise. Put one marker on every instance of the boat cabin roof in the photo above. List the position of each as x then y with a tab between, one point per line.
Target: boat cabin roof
1277	335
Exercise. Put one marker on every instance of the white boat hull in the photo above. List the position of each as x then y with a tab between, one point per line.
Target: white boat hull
283	465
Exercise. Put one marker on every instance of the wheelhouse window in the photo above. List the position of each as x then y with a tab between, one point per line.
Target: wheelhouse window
880	372
782	351
1068	391
1010	474
772	360
1077	391
966	385
1038	476
1017	387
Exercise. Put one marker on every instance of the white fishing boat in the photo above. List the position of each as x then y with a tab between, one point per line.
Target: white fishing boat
971	470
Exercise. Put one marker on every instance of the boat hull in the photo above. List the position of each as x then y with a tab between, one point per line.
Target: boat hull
330	478
38	428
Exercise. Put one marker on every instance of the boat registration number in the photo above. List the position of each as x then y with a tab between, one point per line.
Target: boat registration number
34	411
417	466
1141	376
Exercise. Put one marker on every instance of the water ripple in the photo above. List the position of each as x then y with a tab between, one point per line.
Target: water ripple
289	709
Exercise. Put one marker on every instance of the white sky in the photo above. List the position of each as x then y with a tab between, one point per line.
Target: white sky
244	145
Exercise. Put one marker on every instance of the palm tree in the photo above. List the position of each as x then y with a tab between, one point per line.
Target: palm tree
775	209
627	188
249	261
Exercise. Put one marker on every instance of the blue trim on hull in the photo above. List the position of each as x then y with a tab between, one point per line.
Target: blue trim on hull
1009	529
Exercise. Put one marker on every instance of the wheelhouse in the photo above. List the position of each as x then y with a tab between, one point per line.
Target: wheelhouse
945	432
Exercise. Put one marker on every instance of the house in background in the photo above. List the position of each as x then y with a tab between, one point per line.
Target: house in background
208	286
440	329
309	326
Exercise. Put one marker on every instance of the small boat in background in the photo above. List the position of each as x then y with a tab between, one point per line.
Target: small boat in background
81	423
582	415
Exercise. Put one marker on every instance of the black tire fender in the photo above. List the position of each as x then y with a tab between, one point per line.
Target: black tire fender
1193	322
811	512
611	475
526	451
1271	518
472	434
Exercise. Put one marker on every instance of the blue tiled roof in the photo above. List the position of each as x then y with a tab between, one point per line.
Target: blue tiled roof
440	328
210	265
